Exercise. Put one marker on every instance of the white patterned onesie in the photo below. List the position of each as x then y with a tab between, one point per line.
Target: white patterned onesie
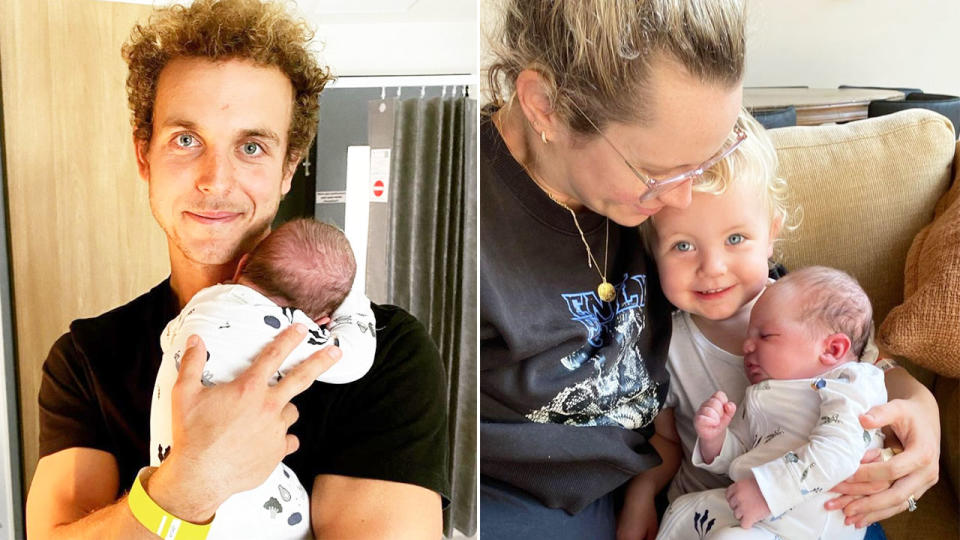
236	322
799	438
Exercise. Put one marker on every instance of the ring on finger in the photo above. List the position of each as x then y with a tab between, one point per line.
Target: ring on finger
911	503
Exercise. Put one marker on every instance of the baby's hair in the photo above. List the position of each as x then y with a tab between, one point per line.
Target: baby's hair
835	300
305	262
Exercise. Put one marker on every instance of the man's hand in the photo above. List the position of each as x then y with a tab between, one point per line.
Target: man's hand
228	438
747	502
711	421
879	489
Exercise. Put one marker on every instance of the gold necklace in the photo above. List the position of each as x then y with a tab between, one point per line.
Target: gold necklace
605	290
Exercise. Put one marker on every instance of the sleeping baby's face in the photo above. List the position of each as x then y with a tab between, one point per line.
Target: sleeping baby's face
779	344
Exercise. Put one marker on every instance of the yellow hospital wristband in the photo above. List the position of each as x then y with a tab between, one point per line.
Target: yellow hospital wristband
158	520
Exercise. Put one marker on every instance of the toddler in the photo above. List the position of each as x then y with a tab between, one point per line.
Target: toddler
301	273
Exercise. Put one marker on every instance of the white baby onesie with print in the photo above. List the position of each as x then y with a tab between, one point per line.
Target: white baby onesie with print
798	438
236	323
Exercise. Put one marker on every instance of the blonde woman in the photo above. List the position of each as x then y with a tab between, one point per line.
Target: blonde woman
604	113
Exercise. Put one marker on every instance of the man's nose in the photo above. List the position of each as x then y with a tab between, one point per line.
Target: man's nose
216	174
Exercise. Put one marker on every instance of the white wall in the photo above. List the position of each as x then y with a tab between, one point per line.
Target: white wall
388	37
826	43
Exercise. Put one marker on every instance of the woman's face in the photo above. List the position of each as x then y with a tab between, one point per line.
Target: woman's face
690	123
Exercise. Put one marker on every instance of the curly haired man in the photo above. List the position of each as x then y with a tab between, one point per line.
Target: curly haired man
224	102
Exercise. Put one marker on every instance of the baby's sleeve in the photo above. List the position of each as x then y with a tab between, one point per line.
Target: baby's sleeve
352	328
835	445
734	445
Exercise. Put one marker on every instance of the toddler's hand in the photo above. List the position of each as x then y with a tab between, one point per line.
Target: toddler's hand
713	417
747	502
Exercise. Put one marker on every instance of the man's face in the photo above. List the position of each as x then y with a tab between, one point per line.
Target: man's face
216	164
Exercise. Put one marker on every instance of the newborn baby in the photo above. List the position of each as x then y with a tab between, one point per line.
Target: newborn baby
301	273
797	433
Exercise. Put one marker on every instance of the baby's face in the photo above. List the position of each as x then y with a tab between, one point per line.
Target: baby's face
779	345
712	256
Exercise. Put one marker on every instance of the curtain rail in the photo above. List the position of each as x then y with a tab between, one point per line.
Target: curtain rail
405	80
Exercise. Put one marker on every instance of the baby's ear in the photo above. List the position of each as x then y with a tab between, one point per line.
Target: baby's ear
240	266
322	320
835	349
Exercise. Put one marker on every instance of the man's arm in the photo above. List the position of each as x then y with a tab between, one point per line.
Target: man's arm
72	496
73	491
346	507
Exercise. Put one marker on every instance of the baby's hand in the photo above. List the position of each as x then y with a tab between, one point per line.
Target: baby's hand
713	417
747	502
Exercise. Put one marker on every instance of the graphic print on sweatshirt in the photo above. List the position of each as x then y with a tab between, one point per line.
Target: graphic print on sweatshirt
615	389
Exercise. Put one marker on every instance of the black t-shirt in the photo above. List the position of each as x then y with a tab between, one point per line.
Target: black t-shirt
389	425
569	384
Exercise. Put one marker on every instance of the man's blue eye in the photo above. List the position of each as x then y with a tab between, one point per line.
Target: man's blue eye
185	140
735	239
683	246
251	149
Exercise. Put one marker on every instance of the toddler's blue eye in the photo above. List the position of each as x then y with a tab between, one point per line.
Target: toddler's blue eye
735	239
185	140
251	149
683	246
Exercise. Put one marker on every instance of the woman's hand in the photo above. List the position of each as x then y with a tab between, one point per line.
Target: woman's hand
638	517
880	489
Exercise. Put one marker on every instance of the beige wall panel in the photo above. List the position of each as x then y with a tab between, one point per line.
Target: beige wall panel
82	237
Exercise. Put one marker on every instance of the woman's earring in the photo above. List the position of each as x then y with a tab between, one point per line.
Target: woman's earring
543	137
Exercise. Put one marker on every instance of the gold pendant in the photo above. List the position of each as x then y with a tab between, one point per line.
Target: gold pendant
606	292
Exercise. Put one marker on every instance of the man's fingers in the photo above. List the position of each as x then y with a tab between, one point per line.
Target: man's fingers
191	365
289	414
293	443
268	361
301	377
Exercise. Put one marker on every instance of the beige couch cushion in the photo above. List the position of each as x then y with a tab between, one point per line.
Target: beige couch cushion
866	189
926	327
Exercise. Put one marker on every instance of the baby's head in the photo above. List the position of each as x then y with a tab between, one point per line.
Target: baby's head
303	263
805	324
712	256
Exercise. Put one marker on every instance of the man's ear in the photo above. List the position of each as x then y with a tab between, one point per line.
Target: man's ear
140	148
240	266
288	171
534	98
835	349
